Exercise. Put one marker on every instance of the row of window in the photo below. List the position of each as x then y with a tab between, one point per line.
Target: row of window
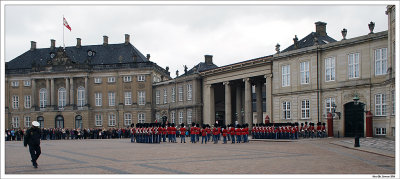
112	79
353	68
15	121
180	117
112	119
97	80
189	90
127	98
380	107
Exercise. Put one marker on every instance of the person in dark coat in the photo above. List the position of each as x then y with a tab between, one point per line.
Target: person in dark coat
32	138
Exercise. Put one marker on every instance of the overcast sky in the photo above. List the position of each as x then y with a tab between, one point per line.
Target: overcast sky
177	35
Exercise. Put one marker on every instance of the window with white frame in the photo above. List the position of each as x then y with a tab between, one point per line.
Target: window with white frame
42	97
173	94
97	80
111	119
127	119
141	118
127	78
158	116
14	83
354	60
15	102
381	61
142	97
157	96
393	103
27	121
172	116
27	83
286	110
285	75
98	100
15	122
27	103
380	131
180	93
189	117
305	109
165	96
180	117
81	96
304	73
62	97
329	105
380	105
141	78
128	98
111	98
111	79
98	119
189	92
330	69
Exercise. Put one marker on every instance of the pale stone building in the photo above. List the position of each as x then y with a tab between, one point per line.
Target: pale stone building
101	86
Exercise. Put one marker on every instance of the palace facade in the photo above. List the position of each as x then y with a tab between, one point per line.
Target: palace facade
113	85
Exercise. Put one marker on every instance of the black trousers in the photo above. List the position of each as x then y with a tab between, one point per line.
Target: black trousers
35	152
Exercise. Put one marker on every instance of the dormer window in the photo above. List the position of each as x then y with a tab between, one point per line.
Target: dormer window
91	53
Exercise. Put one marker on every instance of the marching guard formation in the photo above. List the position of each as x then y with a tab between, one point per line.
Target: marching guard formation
158	133
288	130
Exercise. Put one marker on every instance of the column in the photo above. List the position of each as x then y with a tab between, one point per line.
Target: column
259	99
239	103
228	103
47	92
66	91
52	92
268	96
248	113
34	104
212	105
71	91
86	91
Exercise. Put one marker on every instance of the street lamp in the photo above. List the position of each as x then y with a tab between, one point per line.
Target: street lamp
356	99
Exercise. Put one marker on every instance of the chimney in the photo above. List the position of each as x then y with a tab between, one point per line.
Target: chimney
78	42
208	59
320	28
148	56
105	40
127	39
33	45
52	44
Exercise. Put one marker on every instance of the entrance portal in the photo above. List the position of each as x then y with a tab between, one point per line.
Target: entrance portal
354	119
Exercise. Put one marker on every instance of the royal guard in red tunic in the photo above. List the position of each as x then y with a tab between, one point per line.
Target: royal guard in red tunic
215	133
173	132
305	128
253	131
238	133
219	132
197	131
183	133
232	131
323	129
203	134
193	133
224	133
311	130
276	131
319	129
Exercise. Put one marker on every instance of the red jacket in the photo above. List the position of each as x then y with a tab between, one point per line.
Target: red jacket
215	131
232	130
183	131
238	131
203	132
192	130
197	130
224	132
173	130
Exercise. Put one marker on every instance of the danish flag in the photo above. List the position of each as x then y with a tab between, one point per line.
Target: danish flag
66	24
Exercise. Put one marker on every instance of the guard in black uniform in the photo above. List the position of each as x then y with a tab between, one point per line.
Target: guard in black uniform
32	138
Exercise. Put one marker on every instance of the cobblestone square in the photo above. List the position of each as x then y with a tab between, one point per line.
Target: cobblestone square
119	156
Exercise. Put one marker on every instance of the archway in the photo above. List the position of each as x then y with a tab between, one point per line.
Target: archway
40	120
59	121
354	119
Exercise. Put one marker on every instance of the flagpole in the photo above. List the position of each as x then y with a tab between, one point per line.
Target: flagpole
63	31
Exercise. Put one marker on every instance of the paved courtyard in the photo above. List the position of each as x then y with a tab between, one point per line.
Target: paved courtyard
119	156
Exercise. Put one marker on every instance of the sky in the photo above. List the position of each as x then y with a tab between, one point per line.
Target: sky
178	35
